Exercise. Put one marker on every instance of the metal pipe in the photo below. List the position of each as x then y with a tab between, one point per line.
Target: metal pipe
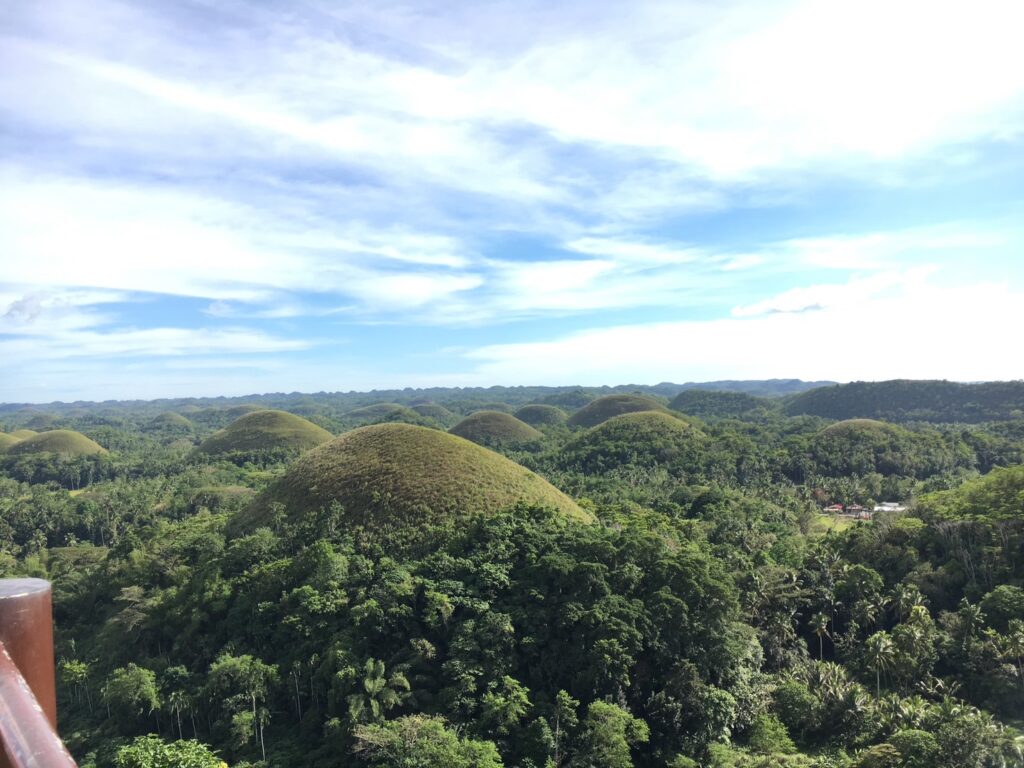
28	697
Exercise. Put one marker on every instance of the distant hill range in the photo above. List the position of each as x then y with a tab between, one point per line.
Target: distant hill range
897	401
572	396
908	400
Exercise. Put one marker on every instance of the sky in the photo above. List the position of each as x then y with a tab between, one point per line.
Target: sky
206	198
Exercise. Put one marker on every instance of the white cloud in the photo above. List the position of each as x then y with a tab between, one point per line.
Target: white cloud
924	330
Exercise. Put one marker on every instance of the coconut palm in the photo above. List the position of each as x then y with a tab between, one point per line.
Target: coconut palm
819	625
379	694
905	598
880	656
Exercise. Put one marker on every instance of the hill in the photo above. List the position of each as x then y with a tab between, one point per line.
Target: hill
646	438
904	400
170	420
380	412
397	479
41	421
494	428
604	408
7	440
999	495
23	434
705	404
434	411
862	446
539	415
63	442
266	430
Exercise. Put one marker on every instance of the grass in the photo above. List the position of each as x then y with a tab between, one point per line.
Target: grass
537	415
644	438
434	411
495	428
854	427
604	408
824	524
170	419
394	478
7	440
24	434
266	430
381	412
63	442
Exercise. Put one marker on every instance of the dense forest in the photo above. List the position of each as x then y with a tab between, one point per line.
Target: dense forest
532	577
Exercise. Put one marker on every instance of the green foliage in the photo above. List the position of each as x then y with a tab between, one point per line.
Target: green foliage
541	415
609	733
153	752
64	443
421	742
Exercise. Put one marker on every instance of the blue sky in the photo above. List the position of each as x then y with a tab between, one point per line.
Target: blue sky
225	198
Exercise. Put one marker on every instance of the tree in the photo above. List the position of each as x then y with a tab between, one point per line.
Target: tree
418	741
609	733
879	654
131	692
248	676
153	752
380	694
819	625
564	720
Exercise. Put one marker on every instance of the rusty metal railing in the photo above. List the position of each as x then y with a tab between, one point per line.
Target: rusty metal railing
28	694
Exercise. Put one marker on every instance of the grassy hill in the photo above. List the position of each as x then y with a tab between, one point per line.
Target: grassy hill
604	408
904	400
63	442
862	446
266	430
399	480
170	420
434	411
379	412
540	415
645	438
24	434
494	428
7	440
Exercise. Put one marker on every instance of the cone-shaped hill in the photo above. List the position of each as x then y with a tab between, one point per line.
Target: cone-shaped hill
266	430
862	446
170	420
537	415
434	411
402	481
494	428
645	438
63	442
6	441
24	434
379	412
604	408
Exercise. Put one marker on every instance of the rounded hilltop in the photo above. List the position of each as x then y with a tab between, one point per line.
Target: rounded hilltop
24	434
540	415
376	412
433	411
494	428
644	438
63	442
403	481
859	427
7	440
266	430
604	408
170	420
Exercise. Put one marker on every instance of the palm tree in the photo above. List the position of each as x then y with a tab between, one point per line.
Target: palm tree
1015	645
819	625
971	620
904	598
380	693
880	655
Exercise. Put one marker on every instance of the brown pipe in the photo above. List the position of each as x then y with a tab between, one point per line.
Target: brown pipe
28	698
